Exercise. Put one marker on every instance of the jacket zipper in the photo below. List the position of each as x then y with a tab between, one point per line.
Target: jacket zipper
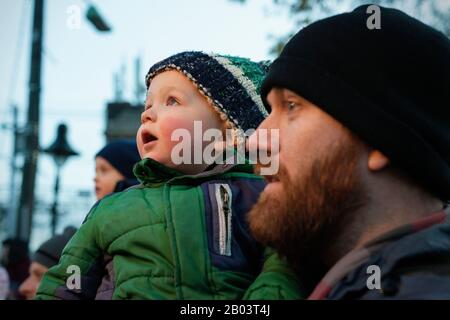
224	201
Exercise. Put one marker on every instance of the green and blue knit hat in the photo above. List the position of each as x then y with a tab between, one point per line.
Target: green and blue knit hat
231	84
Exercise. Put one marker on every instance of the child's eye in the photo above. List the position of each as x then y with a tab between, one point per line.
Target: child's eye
171	101
101	170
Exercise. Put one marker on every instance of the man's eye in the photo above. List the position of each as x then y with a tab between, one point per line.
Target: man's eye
292	105
171	101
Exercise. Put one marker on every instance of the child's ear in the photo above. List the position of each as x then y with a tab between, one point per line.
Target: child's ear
377	160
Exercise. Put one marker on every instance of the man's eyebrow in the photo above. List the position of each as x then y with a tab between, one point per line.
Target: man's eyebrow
270	97
292	95
287	94
274	98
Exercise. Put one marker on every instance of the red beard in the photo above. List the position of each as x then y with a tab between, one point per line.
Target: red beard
302	221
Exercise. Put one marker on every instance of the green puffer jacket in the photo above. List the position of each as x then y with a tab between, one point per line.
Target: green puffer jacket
172	237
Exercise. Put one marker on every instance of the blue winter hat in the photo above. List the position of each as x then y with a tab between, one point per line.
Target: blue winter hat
122	155
231	84
49	253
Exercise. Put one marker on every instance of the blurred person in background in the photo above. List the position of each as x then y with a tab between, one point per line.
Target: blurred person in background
4	283
114	167
45	257
15	260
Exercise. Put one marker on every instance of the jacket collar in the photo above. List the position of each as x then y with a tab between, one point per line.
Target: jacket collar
149	171
152	172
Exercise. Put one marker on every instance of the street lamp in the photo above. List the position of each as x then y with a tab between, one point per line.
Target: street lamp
60	150
96	19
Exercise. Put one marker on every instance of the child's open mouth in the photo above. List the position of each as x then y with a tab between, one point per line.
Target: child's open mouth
147	138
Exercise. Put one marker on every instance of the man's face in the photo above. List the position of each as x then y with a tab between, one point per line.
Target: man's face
29	287
318	183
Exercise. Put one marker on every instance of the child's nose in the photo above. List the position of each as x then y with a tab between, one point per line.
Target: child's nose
148	115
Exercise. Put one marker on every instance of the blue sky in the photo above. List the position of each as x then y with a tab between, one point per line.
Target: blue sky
78	67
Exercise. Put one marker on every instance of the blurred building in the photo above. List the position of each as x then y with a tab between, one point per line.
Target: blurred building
122	120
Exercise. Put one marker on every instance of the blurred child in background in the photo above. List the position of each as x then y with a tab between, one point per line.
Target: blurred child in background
114	167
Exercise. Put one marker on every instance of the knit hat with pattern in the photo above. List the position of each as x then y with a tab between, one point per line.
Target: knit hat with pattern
231	84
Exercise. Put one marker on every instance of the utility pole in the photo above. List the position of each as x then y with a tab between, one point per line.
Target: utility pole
26	204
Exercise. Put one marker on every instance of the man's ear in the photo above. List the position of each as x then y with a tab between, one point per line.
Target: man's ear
377	161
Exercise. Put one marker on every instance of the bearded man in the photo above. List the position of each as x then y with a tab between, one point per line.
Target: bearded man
358	203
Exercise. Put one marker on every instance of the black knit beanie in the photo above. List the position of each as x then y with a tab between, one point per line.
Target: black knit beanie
390	86
122	155
49	253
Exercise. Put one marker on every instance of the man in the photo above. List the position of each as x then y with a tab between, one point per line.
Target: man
364	154
45	257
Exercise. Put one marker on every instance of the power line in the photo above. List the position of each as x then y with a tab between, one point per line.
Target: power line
18	53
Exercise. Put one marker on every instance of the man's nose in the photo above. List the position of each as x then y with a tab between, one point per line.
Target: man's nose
261	138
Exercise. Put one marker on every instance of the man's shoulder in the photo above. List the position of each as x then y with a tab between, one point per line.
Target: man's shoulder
416	266
420	285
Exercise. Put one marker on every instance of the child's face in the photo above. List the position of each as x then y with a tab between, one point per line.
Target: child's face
106	177
173	102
